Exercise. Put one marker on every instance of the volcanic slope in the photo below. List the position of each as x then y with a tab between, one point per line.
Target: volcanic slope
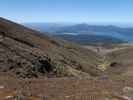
27	53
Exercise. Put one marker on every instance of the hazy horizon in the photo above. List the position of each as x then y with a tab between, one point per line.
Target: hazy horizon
75	11
122	25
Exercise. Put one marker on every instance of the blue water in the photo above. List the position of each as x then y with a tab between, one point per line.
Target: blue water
125	37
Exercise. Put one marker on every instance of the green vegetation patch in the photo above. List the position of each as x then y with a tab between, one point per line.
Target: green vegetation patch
104	65
63	71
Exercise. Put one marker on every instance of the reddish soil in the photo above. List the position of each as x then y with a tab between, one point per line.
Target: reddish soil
62	88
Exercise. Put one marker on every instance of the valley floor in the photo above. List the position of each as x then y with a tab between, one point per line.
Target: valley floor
112	48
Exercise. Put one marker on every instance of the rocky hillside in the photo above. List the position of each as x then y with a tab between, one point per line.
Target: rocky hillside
27	53
122	61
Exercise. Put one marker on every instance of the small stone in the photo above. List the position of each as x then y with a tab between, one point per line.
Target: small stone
2	87
127	89
8	97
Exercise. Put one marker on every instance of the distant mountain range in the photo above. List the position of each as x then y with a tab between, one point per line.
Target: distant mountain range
100	32
85	28
46	27
86	39
77	28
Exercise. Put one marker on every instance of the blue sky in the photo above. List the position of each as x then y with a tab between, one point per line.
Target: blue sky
89	11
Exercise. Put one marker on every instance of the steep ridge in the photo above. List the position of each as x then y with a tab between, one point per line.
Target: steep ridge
27	53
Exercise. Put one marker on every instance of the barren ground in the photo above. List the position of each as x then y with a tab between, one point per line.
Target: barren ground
64	88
